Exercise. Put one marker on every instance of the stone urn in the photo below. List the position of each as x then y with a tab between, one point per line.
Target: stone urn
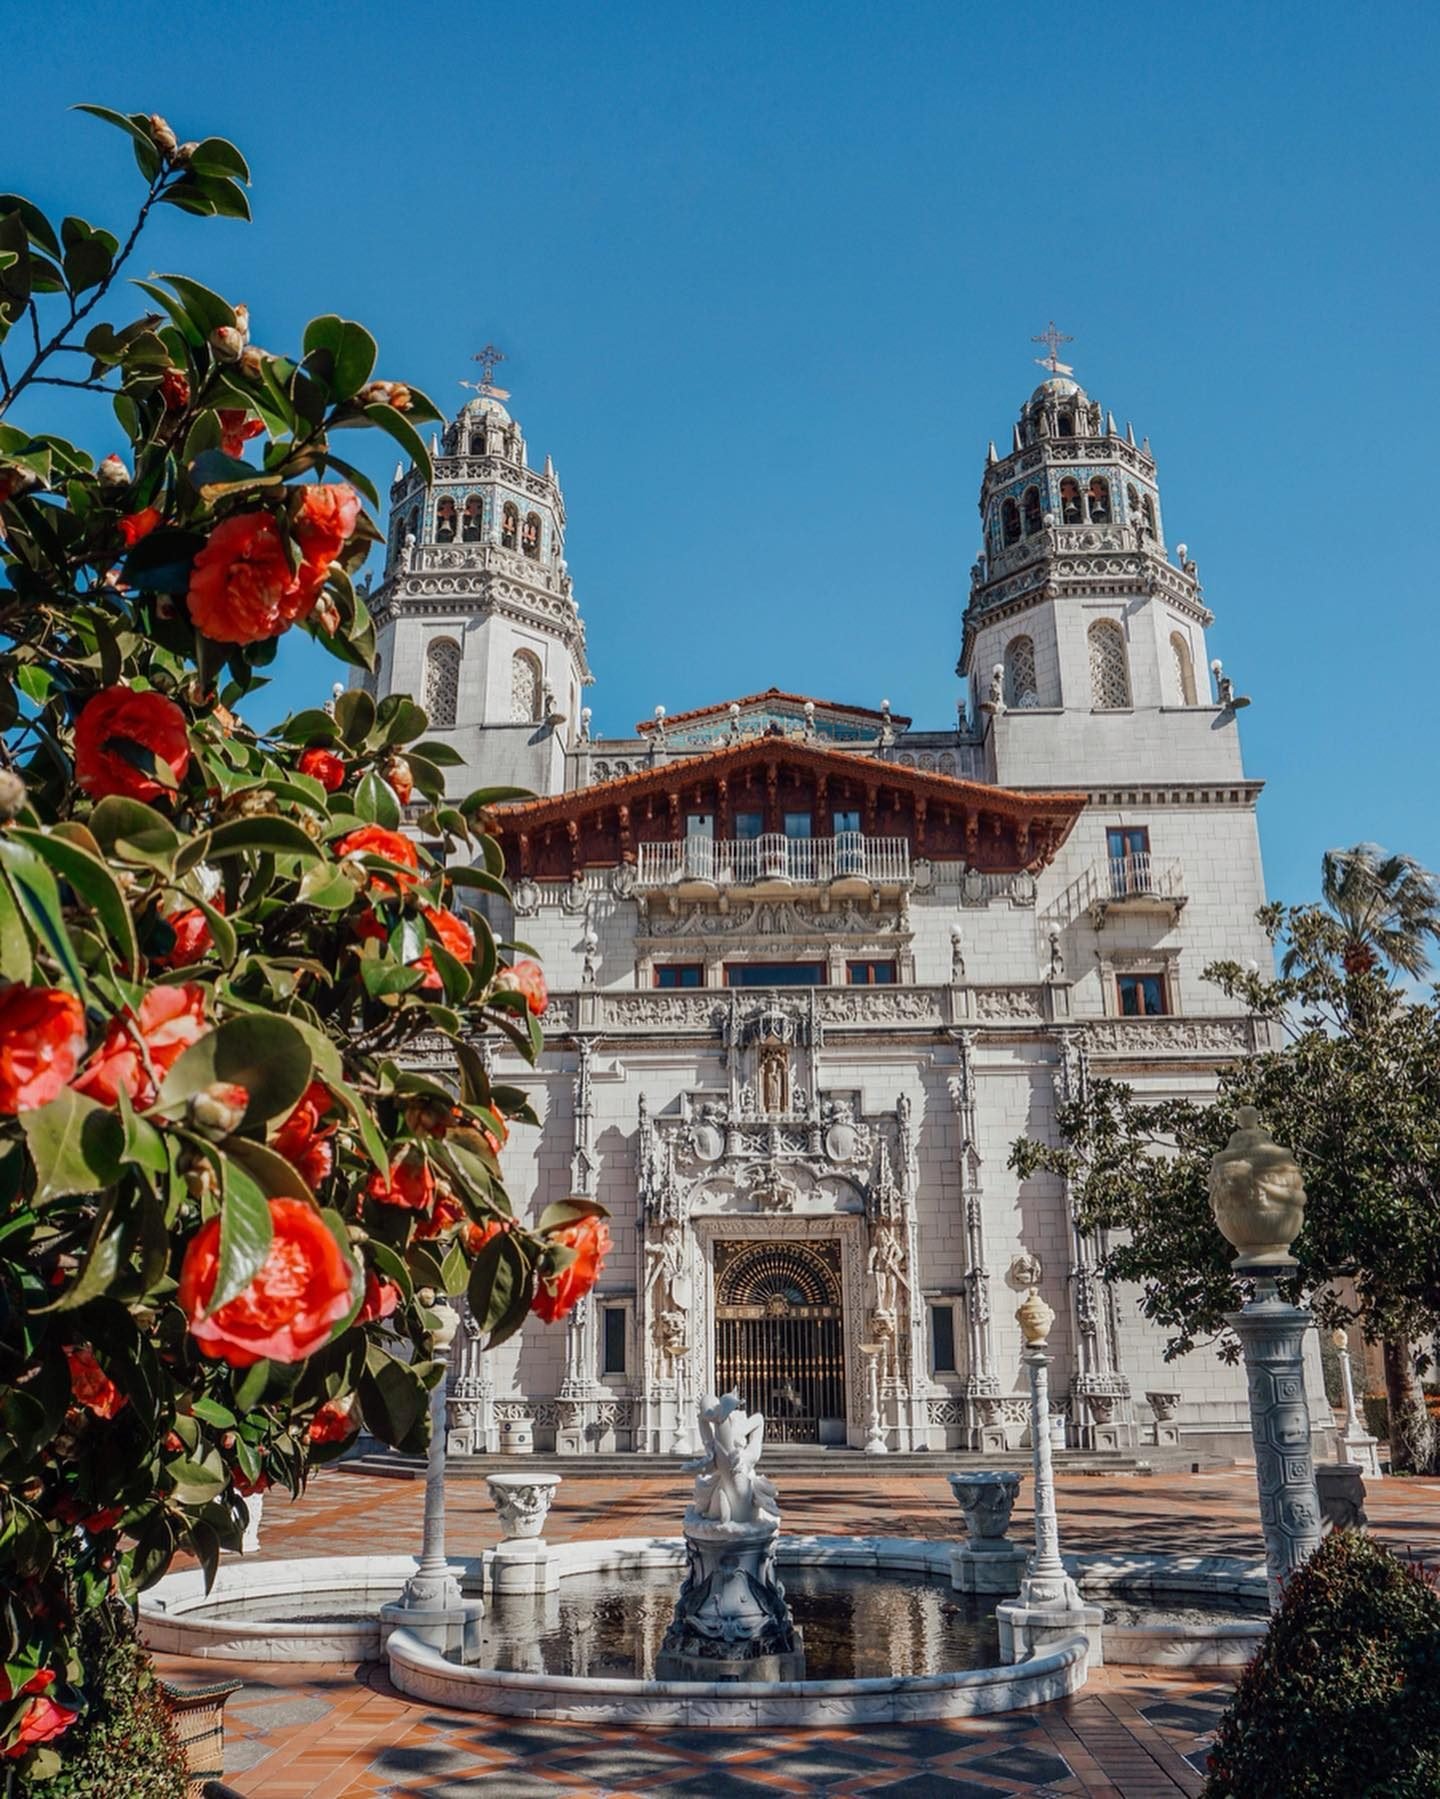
523	1502
1164	1406
1256	1195
1035	1319
987	1498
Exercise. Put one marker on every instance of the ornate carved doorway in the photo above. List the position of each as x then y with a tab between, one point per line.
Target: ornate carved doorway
780	1335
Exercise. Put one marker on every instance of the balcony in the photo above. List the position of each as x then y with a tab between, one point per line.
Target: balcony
708	867
1132	884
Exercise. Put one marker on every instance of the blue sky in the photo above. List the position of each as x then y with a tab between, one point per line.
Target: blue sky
768	273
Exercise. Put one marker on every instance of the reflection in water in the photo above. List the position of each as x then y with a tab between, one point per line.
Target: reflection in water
857	1626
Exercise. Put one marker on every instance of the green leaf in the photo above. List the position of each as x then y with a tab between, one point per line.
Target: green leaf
377	802
110	1242
250	1388
207	311
246	1232
351	348
277	1178
196	1483
214	156
262	1052
394	1400
441	754
16	961
92	882
327	887
214	1413
399	427
355	716
498	1273
561	1212
381	977
400	718
39	897
478	877
37	226
216	475
75	1144
277	835
375	1146
117	820
311	726
484	797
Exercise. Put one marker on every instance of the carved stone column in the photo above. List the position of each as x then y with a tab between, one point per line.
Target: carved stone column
580	1386
470	1403
1102	1410
981	1391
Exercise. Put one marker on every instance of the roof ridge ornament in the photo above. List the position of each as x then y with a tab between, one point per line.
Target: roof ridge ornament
1052	338
485	386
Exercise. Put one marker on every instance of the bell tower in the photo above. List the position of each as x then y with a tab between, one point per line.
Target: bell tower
475	613
1083	641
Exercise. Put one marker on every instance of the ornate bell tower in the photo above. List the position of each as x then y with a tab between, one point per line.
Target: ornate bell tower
1078	618
475	612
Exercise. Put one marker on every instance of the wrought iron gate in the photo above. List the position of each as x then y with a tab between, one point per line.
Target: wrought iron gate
780	1335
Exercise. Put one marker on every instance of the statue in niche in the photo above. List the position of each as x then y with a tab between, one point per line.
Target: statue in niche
668	1287
747	1101
957	954
886	1268
1057	958
774	1080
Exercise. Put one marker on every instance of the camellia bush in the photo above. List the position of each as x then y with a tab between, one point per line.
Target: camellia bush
228	1201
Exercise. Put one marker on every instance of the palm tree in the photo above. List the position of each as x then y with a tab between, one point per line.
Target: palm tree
1387	907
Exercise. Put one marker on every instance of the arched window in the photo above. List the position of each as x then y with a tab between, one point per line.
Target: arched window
1070	513
1149	506
472	529
1109	673
1132	509
442	681
510	526
1021	687
1010	523
530	541
526	687
1065	424
412	529
477	443
1099	501
1033	516
445	521
1184	669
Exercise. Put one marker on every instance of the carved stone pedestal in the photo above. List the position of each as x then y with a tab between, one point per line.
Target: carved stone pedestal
1166	1428
732	1620
521	1561
987	1561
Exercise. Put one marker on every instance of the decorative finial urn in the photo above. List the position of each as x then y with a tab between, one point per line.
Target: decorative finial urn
1034	1318
1257	1195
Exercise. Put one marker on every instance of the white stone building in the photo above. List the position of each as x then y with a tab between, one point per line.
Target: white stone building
814	970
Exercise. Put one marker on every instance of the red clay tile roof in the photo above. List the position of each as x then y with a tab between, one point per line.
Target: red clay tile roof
773	693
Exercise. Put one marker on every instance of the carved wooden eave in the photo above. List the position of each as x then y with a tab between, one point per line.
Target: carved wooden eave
994	829
719	710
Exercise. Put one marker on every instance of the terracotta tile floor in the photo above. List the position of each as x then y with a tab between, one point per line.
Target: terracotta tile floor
343	1733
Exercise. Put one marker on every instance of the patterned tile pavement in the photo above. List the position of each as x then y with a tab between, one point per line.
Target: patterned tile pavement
343	1733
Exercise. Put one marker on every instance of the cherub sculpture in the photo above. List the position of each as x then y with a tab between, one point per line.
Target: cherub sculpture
729	1489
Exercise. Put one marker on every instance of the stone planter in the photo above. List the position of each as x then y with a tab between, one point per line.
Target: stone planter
517	1436
521	1563
987	1562
1166	1407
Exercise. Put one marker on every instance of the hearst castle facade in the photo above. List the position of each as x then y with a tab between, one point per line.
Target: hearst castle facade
813	967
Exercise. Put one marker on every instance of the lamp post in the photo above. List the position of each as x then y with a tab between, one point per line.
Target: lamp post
1258	1200
431	1604
875	1443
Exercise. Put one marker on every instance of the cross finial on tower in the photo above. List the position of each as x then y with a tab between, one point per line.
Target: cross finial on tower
485	386
1052	339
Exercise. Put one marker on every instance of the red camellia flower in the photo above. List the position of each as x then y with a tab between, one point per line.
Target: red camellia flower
303	1140
411	1184
242	588
526	978
45	1720
42	1038
325	517
443	1216
247	1488
138	524
175	390
478	1235
300	1291
381	1299
375	840
557	1294
323	766
333	1422
120	716
236	429
91	1386
169	1021
454	935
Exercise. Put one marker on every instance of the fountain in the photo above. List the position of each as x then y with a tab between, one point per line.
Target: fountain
731	1619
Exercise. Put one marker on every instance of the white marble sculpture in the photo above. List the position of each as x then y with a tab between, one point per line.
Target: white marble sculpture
729	1487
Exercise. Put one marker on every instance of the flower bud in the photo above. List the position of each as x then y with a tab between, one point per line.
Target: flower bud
12	795
219	1110
386	393
252	362
227	342
426	1296
398	774
181	156
113	472
242	321
175	390
163	137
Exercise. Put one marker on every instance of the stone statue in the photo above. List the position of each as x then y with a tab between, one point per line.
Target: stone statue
668	1285
957	954
886	1267
773	1081
1057	958
729	1488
